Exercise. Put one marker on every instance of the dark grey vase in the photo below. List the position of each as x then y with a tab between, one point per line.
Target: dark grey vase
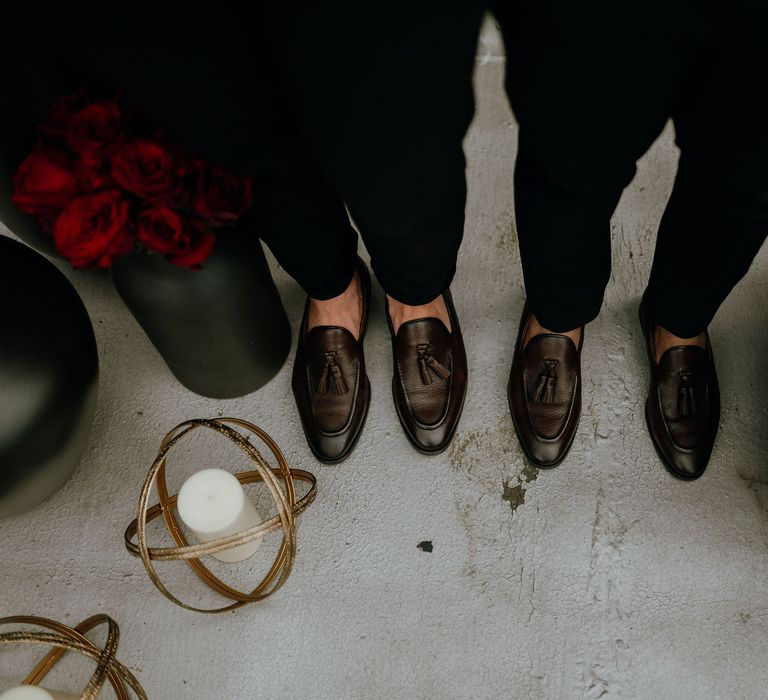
222	330
48	378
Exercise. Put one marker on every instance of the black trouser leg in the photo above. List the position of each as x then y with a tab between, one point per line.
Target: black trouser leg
565	244
589	102
717	217
304	224
383	97
590	99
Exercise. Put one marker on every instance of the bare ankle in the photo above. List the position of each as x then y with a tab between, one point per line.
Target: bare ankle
534	328
663	340
344	310
400	313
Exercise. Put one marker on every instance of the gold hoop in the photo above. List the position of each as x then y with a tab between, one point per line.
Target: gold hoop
284	497
108	668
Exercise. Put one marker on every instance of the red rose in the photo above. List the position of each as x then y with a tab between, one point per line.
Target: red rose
161	229
96	130
93	230
222	196
44	183
185	243
54	126
92	178
149	170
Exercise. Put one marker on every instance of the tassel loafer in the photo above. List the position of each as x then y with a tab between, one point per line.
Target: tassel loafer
544	393
330	383
683	406
429	381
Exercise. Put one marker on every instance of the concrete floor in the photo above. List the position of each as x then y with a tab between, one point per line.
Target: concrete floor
605	578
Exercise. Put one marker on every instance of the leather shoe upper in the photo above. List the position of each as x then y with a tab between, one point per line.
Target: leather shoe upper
330	384
683	406
544	393
430	379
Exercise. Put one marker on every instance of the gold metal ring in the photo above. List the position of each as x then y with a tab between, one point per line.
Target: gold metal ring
108	668
280	483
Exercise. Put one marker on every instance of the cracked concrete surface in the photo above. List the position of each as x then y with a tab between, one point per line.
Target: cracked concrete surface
603	578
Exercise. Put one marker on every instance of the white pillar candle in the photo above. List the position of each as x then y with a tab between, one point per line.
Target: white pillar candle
33	692
213	504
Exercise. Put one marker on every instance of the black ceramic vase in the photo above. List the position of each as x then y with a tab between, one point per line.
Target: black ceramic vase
222	330
48	378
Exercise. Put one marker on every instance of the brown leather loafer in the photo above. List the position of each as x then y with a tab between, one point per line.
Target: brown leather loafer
430	379
683	406
544	393
330	385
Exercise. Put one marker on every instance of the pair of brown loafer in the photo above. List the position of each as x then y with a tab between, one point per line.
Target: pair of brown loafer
332	389
682	409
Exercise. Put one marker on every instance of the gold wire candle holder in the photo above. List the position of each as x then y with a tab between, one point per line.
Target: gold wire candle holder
63	638
279	481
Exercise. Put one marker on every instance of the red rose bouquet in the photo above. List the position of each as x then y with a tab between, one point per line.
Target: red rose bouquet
102	184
